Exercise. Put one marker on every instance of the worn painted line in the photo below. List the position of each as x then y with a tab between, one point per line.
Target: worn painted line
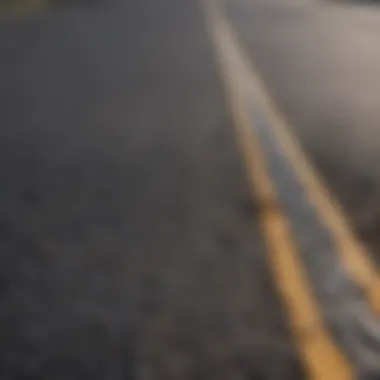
355	257
354	325
14	8
321	357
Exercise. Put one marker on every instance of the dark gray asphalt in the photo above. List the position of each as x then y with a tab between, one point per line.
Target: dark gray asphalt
321	61
129	243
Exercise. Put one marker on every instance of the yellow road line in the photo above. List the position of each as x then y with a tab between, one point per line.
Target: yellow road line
355	257
323	360
18	7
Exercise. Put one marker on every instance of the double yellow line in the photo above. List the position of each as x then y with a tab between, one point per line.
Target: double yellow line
322	358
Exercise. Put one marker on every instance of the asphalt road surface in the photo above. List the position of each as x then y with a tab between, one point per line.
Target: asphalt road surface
129	237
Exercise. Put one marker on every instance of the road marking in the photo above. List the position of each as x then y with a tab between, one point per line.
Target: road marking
323	360
12	8
355	257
